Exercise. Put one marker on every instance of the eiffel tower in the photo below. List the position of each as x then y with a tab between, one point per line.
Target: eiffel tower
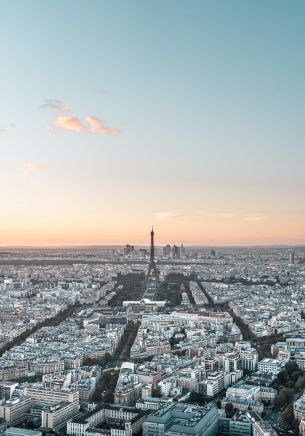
152	268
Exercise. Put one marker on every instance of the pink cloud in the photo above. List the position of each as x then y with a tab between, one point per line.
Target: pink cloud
96	126
166	215
68	123
31	167
254	216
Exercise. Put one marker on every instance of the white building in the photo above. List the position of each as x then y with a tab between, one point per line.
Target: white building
273	366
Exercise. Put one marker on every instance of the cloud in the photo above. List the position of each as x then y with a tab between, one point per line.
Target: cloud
166	215
96	126
68	123
56	104
247	217
252	216
31	167
75	125
255	216
225	215
221	215
7	127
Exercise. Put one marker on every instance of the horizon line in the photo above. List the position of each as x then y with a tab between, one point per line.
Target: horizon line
196	245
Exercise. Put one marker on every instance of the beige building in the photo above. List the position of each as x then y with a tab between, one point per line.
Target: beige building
126	421
13	411
14	371
55	417
44	396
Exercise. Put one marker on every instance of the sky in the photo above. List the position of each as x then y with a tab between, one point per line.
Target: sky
116	115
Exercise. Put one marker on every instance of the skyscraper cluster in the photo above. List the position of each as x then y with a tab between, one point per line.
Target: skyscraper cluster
174	252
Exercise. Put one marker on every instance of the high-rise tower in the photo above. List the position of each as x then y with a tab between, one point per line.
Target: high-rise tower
291	258
152	268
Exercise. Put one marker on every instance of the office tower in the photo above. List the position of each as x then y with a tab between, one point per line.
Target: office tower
143	253
182	250
128	249
176	252
167	250
291	258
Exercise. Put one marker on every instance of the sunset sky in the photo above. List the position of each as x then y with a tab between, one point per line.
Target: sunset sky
188	115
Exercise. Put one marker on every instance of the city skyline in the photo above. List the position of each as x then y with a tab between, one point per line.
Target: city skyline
115	116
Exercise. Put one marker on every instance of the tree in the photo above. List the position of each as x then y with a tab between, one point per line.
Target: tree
287	415
197	398
296	425
283	376
229	409
283	396
296	374
157	393
291	366
300	382
274	351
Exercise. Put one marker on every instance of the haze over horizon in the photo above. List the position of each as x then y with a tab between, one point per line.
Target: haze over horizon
116	115
144	245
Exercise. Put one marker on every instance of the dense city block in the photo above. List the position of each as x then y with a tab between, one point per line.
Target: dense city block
173	340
